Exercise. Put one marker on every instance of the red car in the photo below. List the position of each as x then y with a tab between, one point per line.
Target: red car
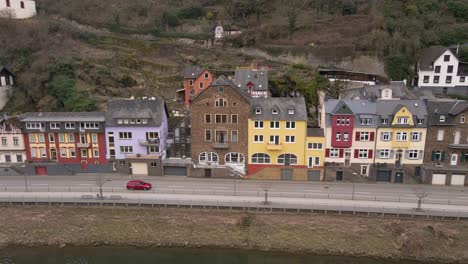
138	185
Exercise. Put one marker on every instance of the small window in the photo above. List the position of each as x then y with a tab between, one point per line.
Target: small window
462	79
207	119
258	111
274	111
191	83
8	3
207	75
153	164
384	121
462	119
234	119
437	69
448	79
446	57
22	4
201	85
291	111
450	69
436	79
220	89
426	79
191	92
442	118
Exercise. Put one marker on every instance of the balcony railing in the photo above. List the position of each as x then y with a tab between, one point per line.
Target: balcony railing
458	146
274	146
83	145
221	145
149	142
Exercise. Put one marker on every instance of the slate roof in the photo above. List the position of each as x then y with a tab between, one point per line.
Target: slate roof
5	68
153	110
174	121
63	117
357	106
450	108
224	81
192	72
282	104
373	92
429	55
259	79
387	108
315	132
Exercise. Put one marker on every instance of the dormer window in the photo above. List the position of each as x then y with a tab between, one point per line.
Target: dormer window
402	120
446	57
275	111
220	89
442	118
190	83
258	111
291	111
420	121
207	75
384	121
462	119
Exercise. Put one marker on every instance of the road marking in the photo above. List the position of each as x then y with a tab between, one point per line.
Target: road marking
220	188
175	186
363	192
39	184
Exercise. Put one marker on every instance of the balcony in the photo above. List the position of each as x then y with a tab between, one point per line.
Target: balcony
273	146
149	142
83	145
221	145
458	146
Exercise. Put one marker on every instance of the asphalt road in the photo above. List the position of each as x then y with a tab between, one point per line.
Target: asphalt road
448	195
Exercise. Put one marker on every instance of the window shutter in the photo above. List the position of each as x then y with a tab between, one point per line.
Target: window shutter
406	154
371	152
462	158
356	153
381	135
341	153
421	152
377	152
327	152
420	136
392	153
372	135
391	133
358	136
443	156
433	155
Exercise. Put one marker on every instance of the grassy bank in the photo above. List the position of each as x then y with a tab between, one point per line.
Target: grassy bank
349	236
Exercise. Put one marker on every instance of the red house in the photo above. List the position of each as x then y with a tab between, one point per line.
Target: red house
63	143
196	79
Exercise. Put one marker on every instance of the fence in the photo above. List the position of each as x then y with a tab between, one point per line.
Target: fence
118	201
238	192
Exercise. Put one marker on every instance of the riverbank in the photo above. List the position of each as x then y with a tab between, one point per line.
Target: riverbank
315	234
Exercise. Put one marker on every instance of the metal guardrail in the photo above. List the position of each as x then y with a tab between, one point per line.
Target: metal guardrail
375	211
250	193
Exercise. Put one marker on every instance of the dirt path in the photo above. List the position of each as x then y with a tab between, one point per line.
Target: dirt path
350	236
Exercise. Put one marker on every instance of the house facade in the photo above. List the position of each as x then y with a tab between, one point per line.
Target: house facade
400	140
446	154
252	80
7	81
179	137
315	153
64	142
196	79
12	148
19	9
277	136
136	132
441	71
379	141
218	118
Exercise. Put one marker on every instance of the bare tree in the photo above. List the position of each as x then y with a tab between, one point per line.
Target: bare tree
100	181
421	194
266	186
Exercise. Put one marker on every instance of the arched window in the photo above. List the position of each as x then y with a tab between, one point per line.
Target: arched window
287	159
234	157
205	157
22	4
260	158
8	3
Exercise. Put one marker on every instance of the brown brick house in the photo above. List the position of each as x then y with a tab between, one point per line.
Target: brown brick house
218	116
446	155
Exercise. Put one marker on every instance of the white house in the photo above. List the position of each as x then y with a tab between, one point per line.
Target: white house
19	9
441	71
7	81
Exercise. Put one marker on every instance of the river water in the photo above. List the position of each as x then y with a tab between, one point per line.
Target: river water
172	256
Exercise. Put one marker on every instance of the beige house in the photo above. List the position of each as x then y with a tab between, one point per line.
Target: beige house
12	148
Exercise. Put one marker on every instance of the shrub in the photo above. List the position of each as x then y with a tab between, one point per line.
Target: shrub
171	19
191	12
397	67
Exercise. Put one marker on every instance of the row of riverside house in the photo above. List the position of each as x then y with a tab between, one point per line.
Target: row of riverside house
129	138
239	130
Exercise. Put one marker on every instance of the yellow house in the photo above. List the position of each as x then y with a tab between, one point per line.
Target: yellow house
315	153
277	135
401	138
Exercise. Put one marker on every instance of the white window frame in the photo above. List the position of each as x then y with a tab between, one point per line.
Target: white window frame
125	135
364	136
315	146
258	124
384	154
402	120
55	125
290	125
126	149
386	136
258	138
415	136
442	118
334	153
338	136
401	136
440	135
290	139
363	154
414	153
384	121
274	125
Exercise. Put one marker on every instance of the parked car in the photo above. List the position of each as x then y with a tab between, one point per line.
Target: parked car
138	185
